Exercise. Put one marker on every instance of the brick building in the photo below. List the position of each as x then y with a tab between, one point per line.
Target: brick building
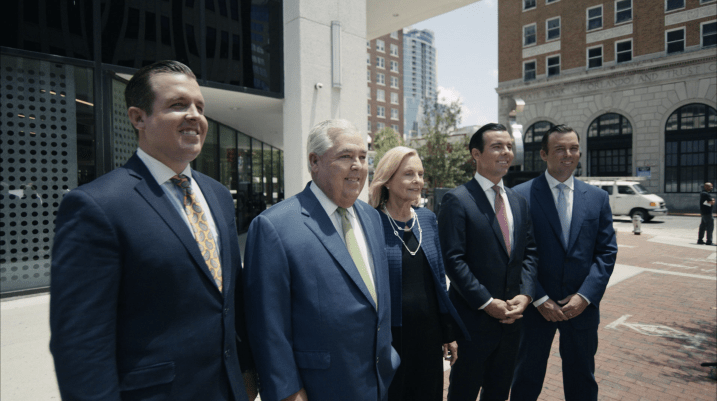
636	78
384	75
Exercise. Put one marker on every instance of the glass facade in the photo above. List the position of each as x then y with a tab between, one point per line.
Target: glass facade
230	42
63	118
690	148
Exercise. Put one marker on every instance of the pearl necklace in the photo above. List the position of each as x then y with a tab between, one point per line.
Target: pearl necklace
395	228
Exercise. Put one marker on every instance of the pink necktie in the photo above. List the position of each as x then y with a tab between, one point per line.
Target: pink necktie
502	217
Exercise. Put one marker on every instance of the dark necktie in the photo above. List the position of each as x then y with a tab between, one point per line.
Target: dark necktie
200	226
502	215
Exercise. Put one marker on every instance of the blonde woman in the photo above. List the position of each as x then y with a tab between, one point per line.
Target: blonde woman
422	317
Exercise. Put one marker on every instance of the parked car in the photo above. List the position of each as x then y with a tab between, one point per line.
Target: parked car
629	198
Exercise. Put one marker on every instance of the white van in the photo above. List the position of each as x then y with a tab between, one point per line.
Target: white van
628	197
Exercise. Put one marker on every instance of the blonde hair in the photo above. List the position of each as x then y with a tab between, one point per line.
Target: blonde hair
386	168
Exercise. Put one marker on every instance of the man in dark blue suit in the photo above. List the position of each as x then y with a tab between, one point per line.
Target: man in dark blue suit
572	222
146	295
316	282
489	256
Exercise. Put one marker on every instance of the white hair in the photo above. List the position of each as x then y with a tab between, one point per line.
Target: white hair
322	135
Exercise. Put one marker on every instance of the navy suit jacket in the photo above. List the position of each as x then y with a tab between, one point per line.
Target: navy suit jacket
310	314
432	249
134	311
587	263
476	258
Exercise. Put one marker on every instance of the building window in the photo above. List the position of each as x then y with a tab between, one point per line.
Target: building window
394	97
368	59
610	146
528	4
380	79
709	33
380	62
552	29
675	41
368	44
623	51
529	70
594	18
368	92
380	95
553	65
369	125
671	5
394	82
380	111
369	110
394	34
533	137
394	50
690	148
394	66
394	114
380	126
380	45
595	57
529	35
623	11
551	1
395	128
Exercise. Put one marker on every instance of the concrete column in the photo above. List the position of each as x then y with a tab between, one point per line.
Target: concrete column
307	61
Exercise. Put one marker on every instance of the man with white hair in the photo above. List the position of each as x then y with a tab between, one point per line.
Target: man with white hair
316	282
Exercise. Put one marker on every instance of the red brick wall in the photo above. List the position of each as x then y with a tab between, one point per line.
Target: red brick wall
373	53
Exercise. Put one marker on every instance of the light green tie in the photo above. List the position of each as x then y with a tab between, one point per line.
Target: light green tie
355	252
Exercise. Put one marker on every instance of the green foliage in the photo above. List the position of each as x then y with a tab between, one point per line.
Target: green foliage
385	140
446	164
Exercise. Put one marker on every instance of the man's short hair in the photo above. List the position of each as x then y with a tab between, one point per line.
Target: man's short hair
560	129
477	138
321	136
139	93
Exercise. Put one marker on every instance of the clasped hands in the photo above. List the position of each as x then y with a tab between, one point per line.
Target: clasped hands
508	311
573	306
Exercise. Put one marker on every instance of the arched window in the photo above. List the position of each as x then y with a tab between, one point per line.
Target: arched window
690	148
610	146
533	137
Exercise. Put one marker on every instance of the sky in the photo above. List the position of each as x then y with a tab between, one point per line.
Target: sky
466	42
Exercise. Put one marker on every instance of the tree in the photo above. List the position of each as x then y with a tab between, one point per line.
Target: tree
446	164
385	140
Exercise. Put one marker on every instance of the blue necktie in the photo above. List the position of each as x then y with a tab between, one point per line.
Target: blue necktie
563	213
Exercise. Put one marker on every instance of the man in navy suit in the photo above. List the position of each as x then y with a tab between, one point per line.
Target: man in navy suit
316	282
146	295
572	222
489	256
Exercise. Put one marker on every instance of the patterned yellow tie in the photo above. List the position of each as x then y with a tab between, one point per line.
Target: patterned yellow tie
355	252
200	227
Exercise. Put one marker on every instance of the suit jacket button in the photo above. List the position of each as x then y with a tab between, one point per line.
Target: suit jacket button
507	290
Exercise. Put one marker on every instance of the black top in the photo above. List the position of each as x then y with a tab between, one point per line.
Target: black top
705	197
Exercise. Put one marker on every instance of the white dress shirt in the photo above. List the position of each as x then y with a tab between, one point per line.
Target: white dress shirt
331	209
162	174
487	186
570	190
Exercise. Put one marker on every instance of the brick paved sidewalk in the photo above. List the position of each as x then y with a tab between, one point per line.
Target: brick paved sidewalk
656	327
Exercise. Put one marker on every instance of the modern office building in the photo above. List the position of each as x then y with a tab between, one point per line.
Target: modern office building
419	78
384	76
636	78
269	71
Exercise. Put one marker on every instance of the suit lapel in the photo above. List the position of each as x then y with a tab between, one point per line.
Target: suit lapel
224	234
150	190
481	200
579	202
517	217
544	198
316	219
